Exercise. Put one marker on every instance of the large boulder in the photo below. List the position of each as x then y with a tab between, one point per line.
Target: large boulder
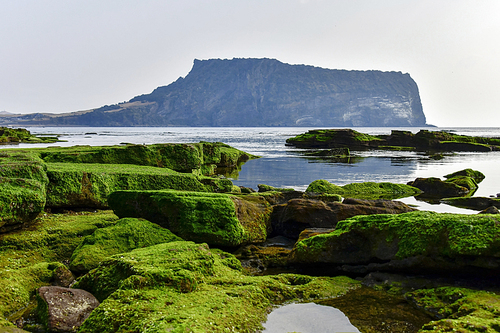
213	218
23	182
127	234
415	242
291	219
79	185
200	158
64	309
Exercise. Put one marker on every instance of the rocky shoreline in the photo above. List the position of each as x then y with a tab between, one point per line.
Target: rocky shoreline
160	242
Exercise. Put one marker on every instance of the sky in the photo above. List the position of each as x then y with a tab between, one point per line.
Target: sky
69	55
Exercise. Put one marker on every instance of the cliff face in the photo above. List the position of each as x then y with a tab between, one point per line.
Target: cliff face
265	92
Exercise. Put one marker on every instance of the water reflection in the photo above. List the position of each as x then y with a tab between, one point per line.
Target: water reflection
308	318
375	311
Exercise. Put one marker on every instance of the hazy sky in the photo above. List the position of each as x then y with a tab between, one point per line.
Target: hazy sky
69	55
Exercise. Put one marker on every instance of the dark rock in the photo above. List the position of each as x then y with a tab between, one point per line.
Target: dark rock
424	140
436	187
214	218
292	218
65	309
490	210
475	203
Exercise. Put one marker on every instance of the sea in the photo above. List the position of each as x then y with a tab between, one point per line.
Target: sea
280	165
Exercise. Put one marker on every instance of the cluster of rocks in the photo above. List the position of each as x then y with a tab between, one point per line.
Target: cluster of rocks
424	140
158	267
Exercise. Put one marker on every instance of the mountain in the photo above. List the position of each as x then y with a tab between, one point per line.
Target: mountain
259	92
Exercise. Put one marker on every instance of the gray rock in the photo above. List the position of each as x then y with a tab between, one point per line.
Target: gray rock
66	309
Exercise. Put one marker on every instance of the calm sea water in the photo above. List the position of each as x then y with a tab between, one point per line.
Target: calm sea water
283	166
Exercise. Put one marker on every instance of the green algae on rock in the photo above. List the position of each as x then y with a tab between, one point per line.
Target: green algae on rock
16	135
424	140
30	258
217	219
88	185
478	176
23	182
458	309
183	286
366	190
127	234
200	158
417	241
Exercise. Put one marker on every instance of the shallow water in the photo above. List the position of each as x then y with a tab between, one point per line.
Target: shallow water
308	318
283	166
374	311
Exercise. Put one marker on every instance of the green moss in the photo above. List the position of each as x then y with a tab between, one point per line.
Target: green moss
16	135
269	188
417	233
127	234
366	190
464	181
202	217
22	189
182	286
324	186
88	185
458	309
28	258
476	175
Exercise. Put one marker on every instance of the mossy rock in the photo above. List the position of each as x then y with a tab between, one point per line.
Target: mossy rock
17	135
127	234
366	190
458	309
447	240
324	186
478	176
30	258
22	189
213	218
199	158
464	181
183	286
75	185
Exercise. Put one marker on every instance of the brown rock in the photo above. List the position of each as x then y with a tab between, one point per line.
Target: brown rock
291	219
66	308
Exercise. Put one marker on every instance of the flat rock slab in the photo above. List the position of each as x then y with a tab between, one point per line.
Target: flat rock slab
67	308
